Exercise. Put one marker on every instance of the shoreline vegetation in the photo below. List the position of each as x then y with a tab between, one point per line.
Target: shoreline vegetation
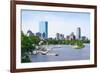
33	45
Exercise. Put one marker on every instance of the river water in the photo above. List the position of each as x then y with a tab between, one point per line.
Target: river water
65	53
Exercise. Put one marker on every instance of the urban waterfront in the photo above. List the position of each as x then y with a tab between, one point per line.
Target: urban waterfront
55	36
65	53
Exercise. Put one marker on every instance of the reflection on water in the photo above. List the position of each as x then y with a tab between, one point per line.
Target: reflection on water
65	53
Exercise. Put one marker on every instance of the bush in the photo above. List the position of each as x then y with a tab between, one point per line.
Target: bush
26	59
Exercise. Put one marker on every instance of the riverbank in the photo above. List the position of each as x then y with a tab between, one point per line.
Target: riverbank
65	53
45	49
78	47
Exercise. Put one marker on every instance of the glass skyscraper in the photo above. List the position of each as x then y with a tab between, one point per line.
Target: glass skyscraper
78	33
43	28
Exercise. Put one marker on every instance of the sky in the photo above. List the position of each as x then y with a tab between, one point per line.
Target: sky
58	22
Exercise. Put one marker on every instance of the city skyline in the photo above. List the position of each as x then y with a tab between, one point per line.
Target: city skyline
58	22
58	36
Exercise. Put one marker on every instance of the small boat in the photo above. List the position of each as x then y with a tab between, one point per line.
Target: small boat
44	52
52	54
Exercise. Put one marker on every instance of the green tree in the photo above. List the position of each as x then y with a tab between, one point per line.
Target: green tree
26	47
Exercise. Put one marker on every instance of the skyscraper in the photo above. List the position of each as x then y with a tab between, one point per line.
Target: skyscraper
78	33
43	28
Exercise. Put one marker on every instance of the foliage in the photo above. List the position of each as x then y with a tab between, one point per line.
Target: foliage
27	45
86	41
79	43
34	39
26	59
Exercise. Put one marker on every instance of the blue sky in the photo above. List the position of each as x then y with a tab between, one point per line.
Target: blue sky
62	22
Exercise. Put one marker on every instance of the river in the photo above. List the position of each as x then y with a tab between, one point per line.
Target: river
65	53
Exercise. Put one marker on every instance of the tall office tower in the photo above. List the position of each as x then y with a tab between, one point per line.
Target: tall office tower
43	28
78	33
